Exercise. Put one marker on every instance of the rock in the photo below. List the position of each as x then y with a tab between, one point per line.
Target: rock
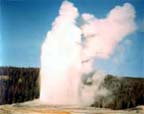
35	107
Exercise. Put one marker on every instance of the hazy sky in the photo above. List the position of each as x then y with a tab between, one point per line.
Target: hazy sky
24	24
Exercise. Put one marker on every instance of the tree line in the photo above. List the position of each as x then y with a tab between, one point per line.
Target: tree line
22	84
18	84
124	93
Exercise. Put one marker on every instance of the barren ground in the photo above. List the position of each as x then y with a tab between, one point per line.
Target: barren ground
35	107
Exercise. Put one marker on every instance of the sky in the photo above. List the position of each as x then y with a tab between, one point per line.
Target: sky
25	23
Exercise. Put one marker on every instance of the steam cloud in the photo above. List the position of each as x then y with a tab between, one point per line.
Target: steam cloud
69	51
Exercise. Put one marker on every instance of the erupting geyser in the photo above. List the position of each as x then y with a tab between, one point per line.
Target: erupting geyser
66	57
60	59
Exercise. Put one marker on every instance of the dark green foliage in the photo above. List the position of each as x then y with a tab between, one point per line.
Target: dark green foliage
21	84
124	93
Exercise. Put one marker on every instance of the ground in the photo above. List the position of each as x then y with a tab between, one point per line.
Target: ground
35	107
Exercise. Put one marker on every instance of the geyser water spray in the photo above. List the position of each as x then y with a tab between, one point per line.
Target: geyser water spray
61	59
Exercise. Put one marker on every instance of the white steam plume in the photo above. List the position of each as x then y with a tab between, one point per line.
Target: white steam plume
60	59
102	35
66	57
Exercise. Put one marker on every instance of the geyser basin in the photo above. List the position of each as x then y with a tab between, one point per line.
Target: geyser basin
34	107
65	57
